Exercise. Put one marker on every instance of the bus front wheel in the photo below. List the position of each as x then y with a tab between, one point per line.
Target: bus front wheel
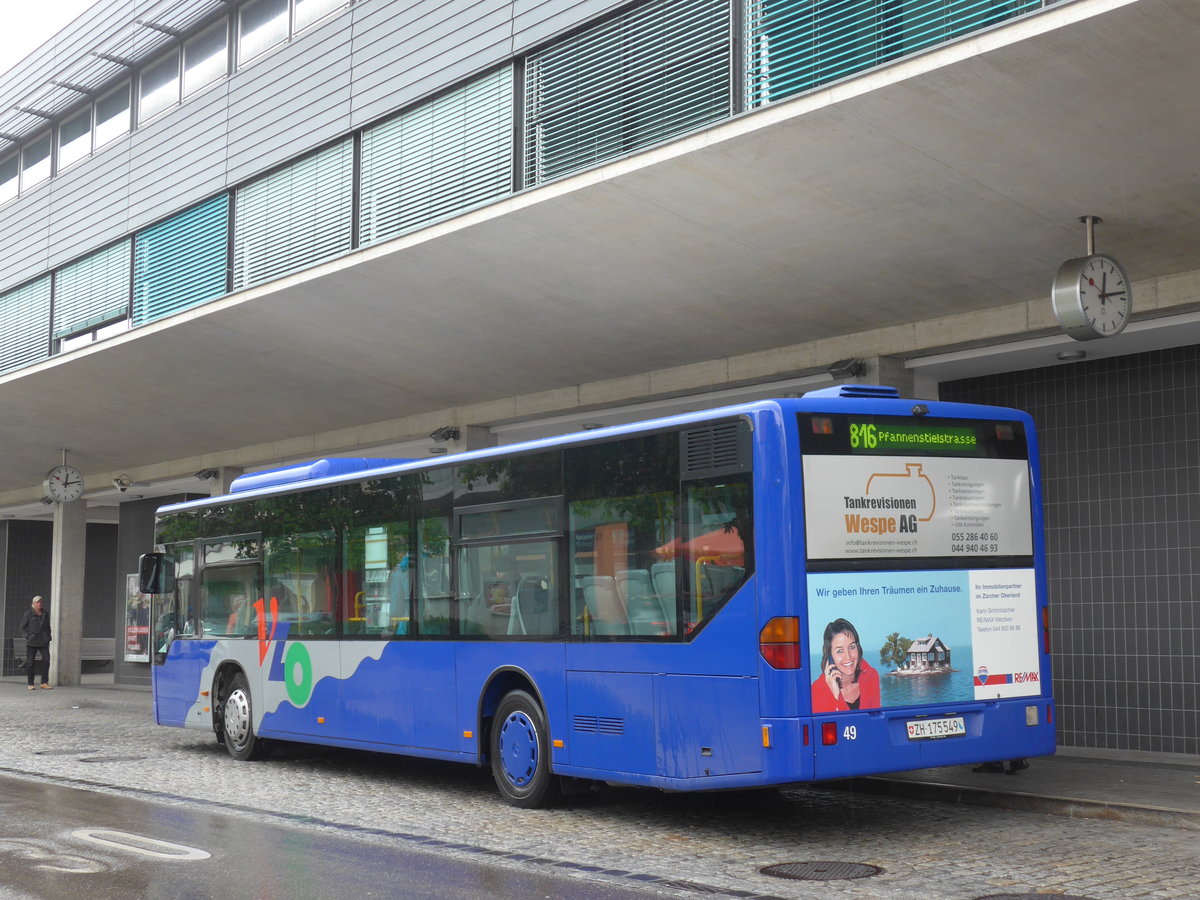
520	751
237	722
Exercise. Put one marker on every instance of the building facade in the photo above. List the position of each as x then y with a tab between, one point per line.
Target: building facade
244	234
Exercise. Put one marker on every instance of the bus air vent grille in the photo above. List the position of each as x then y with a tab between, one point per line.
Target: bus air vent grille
721	448
859	391
599	725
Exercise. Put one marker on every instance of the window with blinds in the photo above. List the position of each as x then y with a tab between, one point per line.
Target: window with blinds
25	324
294	217
796	45
182	261
437	159
657	71
92	291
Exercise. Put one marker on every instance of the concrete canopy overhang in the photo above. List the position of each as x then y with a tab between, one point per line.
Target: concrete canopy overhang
944	184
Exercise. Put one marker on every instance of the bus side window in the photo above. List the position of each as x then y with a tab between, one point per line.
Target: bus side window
717	550
434	599
379	564
298	571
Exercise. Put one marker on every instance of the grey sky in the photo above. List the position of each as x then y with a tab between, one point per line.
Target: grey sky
29	25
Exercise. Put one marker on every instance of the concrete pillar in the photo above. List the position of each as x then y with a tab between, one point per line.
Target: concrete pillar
68	552
225	475
889	371
477	437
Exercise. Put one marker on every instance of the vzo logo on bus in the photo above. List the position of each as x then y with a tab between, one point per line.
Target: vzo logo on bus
291	663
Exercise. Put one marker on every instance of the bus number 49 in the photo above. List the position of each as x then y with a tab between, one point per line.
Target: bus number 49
851	733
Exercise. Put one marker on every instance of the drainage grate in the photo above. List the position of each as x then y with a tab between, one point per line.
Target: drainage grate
1031	897
821	871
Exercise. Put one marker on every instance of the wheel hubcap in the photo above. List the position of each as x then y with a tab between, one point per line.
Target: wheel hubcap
519	749
237	718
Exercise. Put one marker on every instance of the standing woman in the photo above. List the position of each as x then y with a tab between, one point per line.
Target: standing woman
35	628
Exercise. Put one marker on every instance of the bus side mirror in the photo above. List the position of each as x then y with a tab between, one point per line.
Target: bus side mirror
156	573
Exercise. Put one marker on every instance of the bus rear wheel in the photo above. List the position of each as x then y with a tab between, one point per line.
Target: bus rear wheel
237	722
520	752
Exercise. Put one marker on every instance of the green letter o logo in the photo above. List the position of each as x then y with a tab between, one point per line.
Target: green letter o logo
297	674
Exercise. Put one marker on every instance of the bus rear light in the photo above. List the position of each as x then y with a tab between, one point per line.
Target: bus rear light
1045	629
1031	715
806	735
781	656
1049	713
779	642
829	733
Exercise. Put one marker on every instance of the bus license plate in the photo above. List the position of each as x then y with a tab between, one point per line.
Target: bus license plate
924	729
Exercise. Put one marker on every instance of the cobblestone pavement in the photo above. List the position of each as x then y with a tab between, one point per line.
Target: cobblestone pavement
676	844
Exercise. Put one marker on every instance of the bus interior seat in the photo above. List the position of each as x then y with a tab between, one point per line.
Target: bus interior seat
663	575
608	613
647	611
532	611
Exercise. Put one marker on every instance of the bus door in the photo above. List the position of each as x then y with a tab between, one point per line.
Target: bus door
397	684
174	683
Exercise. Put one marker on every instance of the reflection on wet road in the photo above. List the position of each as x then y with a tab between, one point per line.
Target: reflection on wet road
58	842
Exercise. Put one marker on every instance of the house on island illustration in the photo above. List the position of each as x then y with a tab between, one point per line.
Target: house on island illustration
927	654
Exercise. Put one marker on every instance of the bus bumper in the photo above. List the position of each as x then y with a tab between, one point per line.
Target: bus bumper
865	743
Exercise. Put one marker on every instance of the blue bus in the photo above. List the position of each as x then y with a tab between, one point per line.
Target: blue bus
777	592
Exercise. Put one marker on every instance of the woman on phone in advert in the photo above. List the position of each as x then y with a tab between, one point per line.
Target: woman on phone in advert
846	681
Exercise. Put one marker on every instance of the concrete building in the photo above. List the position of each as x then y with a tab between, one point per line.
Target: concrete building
242	233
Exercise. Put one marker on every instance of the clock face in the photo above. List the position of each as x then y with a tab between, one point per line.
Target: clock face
63	484
1092	297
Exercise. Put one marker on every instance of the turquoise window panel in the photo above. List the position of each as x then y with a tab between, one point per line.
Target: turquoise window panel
182	261
797	45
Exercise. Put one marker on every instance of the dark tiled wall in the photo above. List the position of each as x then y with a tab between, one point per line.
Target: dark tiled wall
25	547
98	577
1120	451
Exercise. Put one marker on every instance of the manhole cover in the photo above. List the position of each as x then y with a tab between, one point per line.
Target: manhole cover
98	759
821	871
64	752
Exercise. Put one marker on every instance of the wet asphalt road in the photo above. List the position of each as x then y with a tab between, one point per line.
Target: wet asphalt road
58	842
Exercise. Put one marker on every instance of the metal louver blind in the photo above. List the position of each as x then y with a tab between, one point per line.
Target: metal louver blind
659	70
437	159
797	45
25	325
181	262
295	217
93	290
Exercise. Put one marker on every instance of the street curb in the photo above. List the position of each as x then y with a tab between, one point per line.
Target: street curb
1071	807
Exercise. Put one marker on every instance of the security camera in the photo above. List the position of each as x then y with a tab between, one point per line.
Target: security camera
122	483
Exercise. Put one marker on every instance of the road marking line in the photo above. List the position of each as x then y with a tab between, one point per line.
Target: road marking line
136	843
